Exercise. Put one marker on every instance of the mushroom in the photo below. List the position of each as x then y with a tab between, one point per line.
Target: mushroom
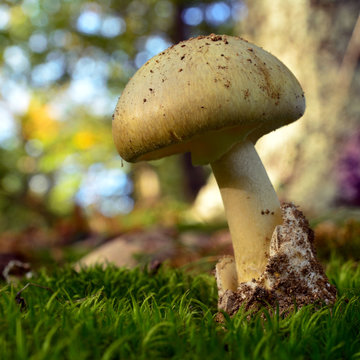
215	96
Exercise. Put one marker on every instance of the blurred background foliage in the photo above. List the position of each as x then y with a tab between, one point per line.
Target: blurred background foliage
65	63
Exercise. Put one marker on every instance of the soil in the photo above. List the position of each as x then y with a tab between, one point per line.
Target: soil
293	275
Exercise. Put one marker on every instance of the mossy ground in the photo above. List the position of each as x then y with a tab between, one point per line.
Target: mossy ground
135	314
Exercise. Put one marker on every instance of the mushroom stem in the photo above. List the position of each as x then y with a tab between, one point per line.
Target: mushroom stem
251	205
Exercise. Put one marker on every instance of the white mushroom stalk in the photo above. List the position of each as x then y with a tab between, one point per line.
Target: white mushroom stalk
251	205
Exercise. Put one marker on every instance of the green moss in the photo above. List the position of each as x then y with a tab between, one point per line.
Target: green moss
133	314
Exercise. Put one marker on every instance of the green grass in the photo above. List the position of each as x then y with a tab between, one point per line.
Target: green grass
123	314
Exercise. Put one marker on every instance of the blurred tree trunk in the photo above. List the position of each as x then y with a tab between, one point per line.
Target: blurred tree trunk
301	158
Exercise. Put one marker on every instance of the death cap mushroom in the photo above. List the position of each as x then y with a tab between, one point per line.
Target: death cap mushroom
214	96
204	95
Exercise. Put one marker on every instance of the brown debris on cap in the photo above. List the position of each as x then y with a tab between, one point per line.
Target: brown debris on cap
293	274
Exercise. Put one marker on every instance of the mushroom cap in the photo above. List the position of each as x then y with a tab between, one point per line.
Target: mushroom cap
204	95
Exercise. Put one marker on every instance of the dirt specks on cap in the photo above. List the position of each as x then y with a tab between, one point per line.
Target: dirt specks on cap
292	276
214	37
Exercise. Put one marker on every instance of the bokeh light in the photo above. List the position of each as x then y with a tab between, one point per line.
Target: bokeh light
17	96
17	59
108	190
4	17
193	16
112	26
34	147
38	42
39	184
217	13
89	22
47	73
7	124
150	47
